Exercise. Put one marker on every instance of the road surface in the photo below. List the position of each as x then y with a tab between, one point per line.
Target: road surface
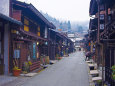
70	71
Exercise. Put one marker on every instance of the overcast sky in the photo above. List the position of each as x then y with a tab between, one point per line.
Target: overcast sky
73	10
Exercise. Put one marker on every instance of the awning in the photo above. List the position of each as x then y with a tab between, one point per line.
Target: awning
33	35
93	7
6	18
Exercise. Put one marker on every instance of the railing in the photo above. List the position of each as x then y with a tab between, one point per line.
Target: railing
108	76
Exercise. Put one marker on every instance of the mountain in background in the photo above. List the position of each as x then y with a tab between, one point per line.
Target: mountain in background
67	26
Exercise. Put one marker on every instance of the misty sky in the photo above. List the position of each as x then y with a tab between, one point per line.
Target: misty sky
73	10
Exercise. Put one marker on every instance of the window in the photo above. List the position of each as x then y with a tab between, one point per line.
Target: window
38	31
26	28
26	25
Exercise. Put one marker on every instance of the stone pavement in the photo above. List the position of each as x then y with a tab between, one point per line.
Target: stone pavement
5	79
13	81
70	71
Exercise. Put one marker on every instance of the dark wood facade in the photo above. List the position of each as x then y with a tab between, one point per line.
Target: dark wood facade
105	40
32	38
6	25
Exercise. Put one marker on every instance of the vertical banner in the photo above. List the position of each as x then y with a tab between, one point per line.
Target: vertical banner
45	32
34	50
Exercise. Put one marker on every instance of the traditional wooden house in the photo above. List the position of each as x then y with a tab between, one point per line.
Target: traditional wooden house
108	39
93	26
6	25
30	42
59	43
104	10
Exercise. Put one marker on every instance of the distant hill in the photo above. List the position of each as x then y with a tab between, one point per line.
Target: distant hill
67	26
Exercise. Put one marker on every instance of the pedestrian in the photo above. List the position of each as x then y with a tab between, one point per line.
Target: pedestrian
87	55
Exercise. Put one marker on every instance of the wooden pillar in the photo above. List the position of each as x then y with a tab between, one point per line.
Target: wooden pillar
6	49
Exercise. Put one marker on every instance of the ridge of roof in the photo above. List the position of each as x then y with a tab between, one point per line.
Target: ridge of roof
32	8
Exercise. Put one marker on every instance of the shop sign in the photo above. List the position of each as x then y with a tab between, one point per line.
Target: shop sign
16	53
102	16
101	26
45	32
34	50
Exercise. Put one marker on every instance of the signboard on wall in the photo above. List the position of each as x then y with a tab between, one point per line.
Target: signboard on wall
16	53
34	50
45	32
5	7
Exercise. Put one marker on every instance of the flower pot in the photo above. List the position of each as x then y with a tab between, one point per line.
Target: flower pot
16	72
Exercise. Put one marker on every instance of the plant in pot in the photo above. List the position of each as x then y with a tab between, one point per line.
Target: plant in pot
26	67
99	83
16	69
113	72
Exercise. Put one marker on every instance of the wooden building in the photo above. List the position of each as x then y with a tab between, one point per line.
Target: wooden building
26	35
6	25
59	43
104	10
31	41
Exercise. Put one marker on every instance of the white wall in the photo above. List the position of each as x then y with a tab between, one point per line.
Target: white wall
4	7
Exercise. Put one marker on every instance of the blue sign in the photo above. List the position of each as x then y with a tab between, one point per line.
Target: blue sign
16	53
34	50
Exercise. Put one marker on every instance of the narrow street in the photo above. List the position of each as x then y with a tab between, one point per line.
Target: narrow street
70	71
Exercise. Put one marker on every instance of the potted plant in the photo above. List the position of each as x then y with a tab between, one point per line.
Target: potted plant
26	67
59	58
29	63
113	72
99	82
16	69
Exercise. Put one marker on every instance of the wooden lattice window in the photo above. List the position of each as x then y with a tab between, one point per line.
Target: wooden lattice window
26	25
38	33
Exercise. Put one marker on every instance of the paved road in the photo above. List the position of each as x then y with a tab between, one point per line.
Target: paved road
70	71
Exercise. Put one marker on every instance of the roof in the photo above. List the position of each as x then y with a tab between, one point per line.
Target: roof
33	9
71	35
93	24
60	34
78	39
109	3
32	35
93	7
12	20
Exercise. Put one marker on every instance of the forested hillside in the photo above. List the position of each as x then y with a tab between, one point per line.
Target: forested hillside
68	26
